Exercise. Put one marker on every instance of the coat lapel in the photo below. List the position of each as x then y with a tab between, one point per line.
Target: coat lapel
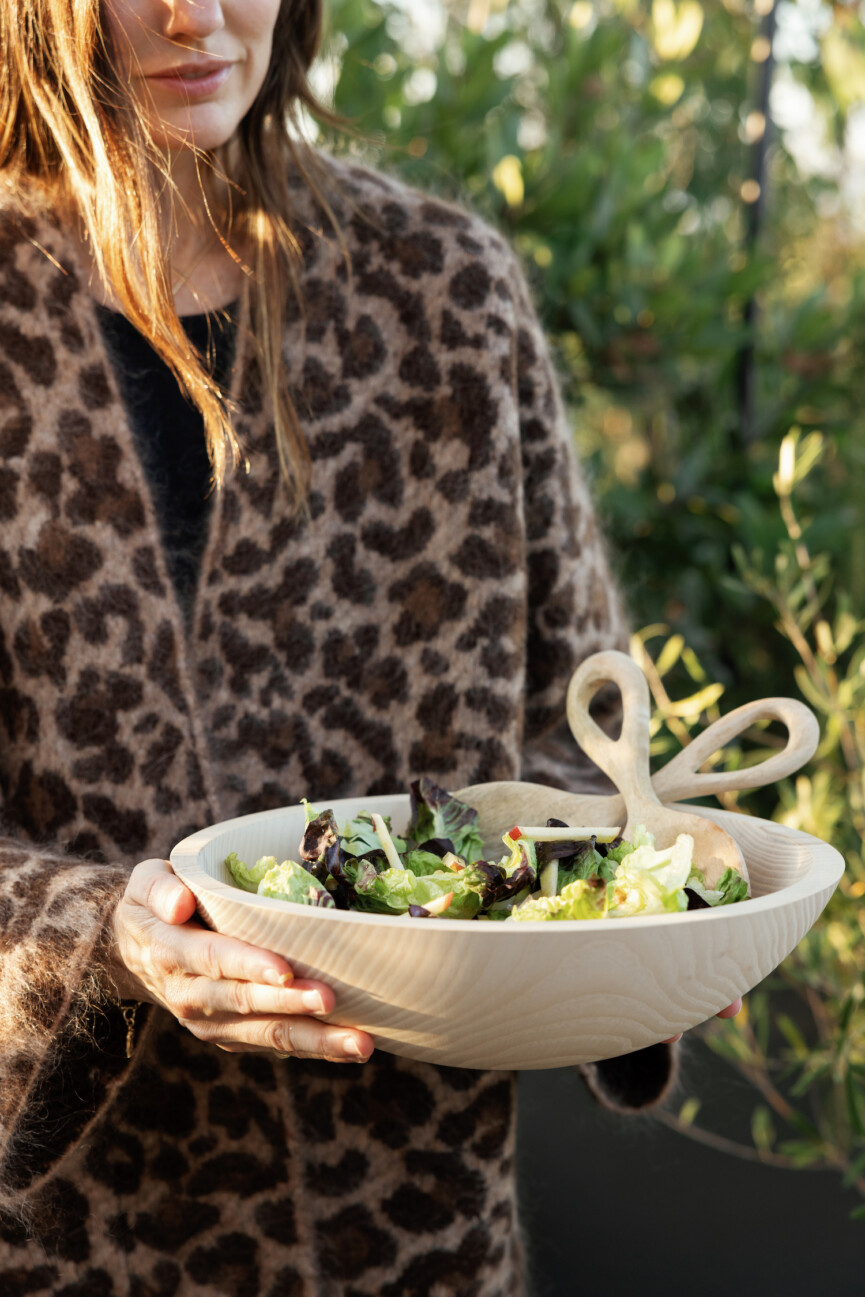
103	752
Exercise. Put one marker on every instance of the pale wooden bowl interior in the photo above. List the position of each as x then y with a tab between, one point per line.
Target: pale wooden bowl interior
519	996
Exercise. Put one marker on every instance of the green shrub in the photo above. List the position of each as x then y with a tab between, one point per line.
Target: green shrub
801	1040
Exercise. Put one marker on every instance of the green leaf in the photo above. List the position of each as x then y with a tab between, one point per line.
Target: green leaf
801	1123
697	703
762	1129
792	1035
688	1111
670	654
854	1171
810	691
694	668
248	876
289	881
358	837
393	891
855	1101
730	1044
809	452
422	862
803	1153
846	1015
846	627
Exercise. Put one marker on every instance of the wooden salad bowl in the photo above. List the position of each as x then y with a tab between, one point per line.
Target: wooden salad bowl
520	995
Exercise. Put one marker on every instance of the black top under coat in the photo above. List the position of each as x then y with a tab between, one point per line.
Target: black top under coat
169	433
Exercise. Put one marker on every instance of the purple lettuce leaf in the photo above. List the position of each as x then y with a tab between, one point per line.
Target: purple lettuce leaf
435	813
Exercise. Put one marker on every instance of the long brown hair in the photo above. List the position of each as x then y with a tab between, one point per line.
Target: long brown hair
70	134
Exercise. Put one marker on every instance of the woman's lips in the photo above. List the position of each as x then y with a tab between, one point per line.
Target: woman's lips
192	85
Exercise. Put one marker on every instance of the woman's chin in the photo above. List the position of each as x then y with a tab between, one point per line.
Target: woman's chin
206	127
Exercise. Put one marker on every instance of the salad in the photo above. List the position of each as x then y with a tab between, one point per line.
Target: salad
550	872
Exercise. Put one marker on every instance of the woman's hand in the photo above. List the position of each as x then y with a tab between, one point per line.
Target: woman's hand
222	990
730	1012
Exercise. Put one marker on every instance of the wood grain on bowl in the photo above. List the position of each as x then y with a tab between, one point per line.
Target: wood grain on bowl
522	995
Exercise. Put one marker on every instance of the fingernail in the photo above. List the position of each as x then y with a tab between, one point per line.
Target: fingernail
273	978
313	1001
350	1046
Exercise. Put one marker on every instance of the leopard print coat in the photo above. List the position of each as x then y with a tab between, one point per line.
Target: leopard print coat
425	618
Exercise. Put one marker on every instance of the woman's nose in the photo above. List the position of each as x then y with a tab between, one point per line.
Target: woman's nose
196	18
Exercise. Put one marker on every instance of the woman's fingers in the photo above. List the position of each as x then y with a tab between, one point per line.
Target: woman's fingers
203	953
194	998
299	1036
223	990
730	1012
731	1009
154	885
181	947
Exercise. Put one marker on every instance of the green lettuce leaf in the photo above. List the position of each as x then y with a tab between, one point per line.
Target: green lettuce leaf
358	836
617	851
581	899
652	882
245	877
522	856
291	882
587	864
394	890
731	888
423	862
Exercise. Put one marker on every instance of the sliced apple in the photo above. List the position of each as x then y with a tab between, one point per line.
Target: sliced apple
440	904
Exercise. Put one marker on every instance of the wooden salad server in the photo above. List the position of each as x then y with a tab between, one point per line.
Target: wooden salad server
626	761
507	802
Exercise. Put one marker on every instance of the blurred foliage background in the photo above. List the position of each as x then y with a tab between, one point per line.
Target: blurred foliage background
685	183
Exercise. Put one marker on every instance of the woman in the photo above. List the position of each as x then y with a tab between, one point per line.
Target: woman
396	575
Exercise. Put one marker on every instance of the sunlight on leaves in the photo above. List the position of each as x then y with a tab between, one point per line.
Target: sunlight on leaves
508	179
676	27
667	88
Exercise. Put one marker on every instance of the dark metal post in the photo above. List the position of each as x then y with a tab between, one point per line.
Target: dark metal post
753	220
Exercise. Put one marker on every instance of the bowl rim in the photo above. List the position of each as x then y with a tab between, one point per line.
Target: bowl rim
826	869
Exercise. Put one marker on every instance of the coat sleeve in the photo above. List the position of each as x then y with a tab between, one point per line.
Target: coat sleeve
64	1043
574	610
